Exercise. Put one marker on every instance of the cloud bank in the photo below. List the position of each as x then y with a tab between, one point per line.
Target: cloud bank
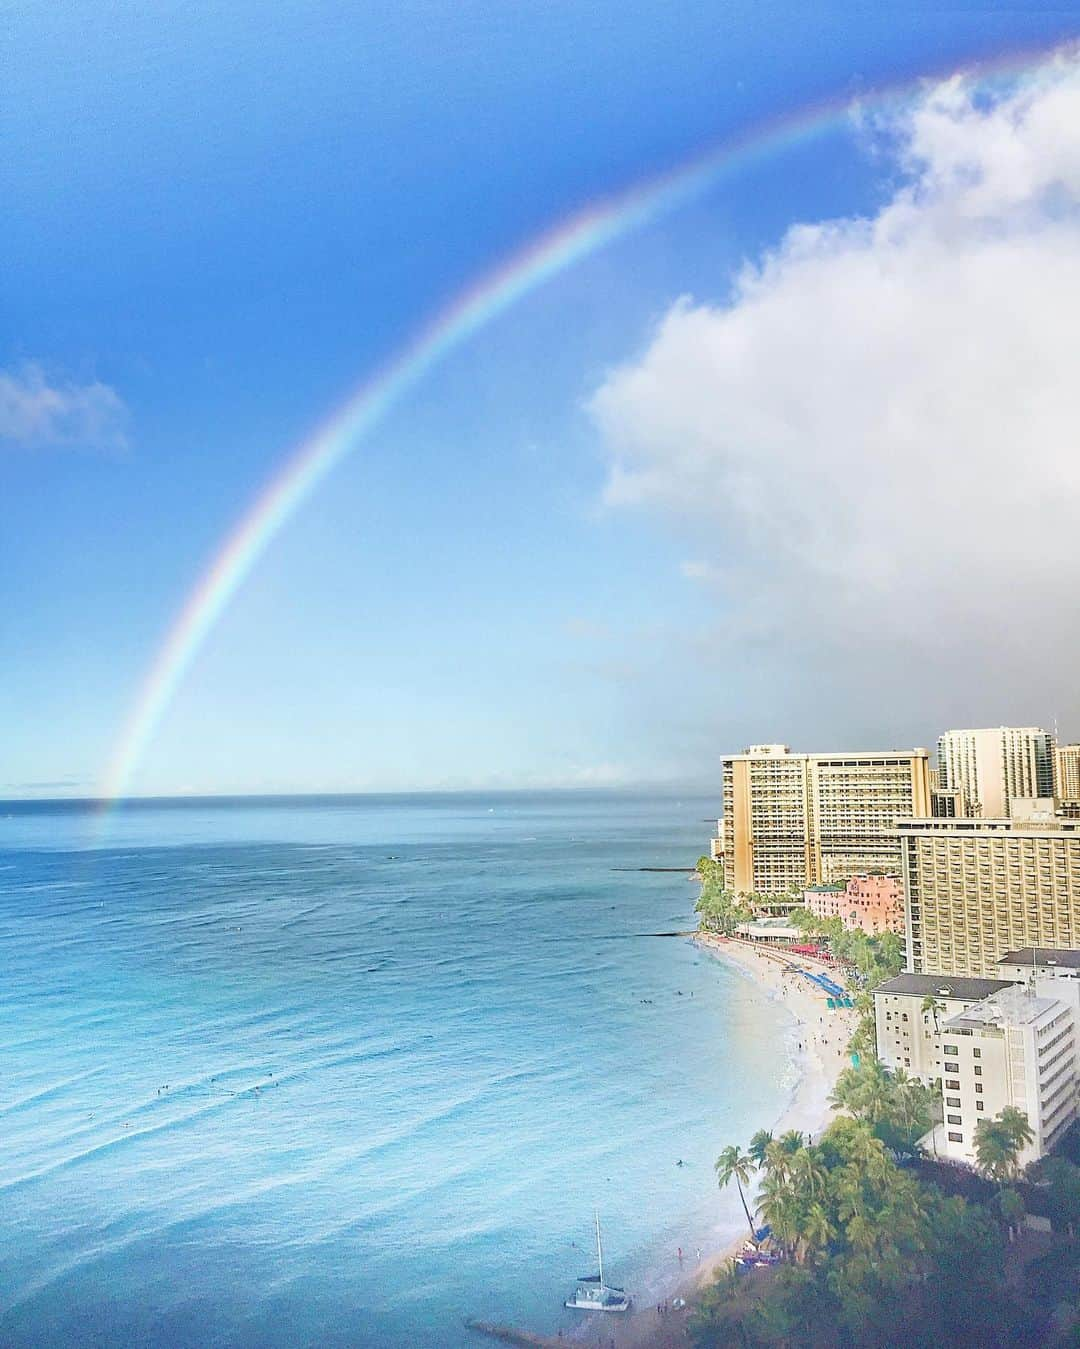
35	414
875	445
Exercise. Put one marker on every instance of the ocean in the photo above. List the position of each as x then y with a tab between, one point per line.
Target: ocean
348	1071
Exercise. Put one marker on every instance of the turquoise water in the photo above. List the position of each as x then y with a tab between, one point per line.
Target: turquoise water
348	1071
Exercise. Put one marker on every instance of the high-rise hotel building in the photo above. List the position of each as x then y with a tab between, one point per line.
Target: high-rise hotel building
794	820
976	889
1067	775
989	767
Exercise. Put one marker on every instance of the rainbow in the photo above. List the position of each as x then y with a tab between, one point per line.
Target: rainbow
545	257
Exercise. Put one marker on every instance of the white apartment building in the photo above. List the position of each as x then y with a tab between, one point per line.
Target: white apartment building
988	767
907	1036
1017	1047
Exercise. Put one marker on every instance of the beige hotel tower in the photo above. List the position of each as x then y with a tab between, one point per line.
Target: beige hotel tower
793	820
976	889
1067	775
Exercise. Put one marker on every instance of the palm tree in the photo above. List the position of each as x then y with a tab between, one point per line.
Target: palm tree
999	1142
808	1175
1015	1123
910	1109
816	1231
732	1164
930	1004
863	1042
792	1141
759	1146
779	1207
777	1160
863	1092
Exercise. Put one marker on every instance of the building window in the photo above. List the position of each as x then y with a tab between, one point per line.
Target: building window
978	1070
951	1049
978	1088
977	1053
952	1086
954	1119
980	1105
956	1138
954	1101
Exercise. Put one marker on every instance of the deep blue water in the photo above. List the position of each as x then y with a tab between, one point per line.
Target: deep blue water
347	1071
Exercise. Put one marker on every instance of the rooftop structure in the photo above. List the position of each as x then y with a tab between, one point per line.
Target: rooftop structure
943	986
1029	962
777	930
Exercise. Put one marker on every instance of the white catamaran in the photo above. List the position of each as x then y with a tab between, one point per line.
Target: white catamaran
592	1294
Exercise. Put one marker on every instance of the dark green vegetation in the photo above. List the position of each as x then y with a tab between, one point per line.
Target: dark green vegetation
882	1247
873	1257
876	1253
719	909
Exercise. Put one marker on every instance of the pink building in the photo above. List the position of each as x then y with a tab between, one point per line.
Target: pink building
871	903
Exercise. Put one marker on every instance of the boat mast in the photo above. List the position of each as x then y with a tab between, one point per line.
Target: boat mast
599	1248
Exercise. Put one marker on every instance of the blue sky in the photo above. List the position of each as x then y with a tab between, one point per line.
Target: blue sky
221	219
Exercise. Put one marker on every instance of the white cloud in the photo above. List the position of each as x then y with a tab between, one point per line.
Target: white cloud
37	414
878	438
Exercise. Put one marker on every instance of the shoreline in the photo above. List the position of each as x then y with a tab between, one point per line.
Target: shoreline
819	1061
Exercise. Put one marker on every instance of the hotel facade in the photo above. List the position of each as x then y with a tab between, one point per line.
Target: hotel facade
989	767
1067	772
796	820
976	889
870	904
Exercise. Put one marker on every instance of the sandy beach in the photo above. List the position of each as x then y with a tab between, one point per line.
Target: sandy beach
825	1035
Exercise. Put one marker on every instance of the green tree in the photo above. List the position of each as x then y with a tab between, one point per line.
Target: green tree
725	1319
815	1233
808	1176
999	1142
933	1007
1010	1205
719	910
779	1207
1063	1191
733	1164
759	1145
863	1092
